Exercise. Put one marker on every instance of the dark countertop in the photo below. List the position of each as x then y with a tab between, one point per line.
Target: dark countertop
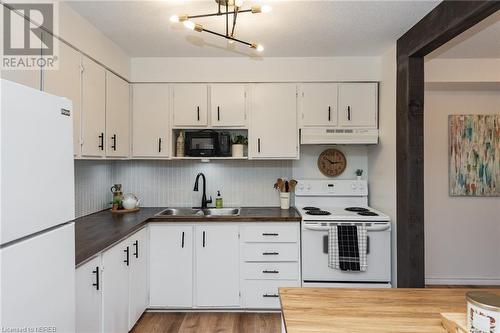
96	232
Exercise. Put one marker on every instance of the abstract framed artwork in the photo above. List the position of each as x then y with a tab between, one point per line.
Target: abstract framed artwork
474	155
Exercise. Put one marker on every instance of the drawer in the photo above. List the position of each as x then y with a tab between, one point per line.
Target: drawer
271	233
263	294
270	252
271	270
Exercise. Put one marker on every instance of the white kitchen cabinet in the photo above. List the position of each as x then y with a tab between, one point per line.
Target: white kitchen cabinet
318	104
217	265
228	105
190	105
66	82
89	296
115	298
93	109
150	120
117	116
358	105
139	269
273	129
171	267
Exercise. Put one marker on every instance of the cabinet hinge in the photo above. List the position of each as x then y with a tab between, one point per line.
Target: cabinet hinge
239	235
245	94
302	94
239	293
82	69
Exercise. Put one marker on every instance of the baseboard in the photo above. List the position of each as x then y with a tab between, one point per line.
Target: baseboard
462	281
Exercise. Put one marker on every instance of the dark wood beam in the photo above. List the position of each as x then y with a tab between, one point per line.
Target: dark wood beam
443	23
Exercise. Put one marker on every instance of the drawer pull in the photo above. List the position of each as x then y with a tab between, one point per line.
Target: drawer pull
270	272
270	234
270	253
271	295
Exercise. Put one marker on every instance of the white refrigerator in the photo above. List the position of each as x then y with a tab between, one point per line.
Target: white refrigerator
37	207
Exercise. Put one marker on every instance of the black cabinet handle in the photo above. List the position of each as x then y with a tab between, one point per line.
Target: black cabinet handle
101	138
270	295
270	253
349	113
182	241
113	146
367	244
270	272
136	245
329	113
218	113
198	112
127	251
258	145
159	145
270	234
203	238
96	272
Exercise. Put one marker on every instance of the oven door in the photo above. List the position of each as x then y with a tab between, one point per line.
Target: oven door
315	254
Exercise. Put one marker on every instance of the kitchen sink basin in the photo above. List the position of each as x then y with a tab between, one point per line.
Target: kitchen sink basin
198	212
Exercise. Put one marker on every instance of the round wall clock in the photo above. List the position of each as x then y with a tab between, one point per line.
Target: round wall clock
332	162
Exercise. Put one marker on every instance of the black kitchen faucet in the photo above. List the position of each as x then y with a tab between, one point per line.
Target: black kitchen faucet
204	200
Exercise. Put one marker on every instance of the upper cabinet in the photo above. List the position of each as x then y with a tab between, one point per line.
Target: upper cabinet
66	81
190	105
273	129
117	116
228	105
150	120
358	105
319	104
93	109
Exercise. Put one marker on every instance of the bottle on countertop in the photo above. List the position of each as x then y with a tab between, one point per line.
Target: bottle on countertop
180	145
218	200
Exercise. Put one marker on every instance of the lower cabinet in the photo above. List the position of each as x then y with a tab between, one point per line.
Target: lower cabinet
112	288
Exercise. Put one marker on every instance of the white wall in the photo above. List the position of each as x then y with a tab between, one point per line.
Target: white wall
462	235
382	157
462	70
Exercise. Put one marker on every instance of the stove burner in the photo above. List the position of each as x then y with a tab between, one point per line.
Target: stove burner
356	209
367	213
317	212
310	208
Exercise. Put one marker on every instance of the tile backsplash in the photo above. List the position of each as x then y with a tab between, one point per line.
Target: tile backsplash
92	186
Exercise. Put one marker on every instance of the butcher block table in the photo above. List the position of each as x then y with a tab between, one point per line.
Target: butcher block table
369	310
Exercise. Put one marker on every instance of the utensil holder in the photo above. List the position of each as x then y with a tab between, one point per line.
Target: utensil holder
285	200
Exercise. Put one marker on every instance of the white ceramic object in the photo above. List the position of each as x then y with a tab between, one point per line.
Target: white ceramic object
237	150
483	312
285	200
130	201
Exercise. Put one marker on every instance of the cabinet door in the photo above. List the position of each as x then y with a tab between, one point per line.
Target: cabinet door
273	123
217	265
319	104
358	105
139	291
228	105
88	296
93	108
150	120
117	116
66	82
190	102
115	284
171	265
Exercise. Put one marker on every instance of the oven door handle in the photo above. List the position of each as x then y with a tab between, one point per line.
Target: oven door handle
382	227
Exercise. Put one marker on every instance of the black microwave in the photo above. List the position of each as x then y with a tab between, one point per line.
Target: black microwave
207	143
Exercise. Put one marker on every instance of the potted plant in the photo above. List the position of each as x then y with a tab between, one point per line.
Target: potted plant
359	173
116	204
238	144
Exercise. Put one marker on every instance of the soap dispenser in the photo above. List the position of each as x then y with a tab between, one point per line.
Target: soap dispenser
218	200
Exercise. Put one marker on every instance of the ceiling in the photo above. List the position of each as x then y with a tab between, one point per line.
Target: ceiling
480	41
292	29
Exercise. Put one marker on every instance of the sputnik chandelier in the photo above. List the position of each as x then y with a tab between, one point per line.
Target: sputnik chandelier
227	8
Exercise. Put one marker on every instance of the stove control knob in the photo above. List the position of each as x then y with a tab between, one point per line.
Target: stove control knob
354	186
361	187
308	187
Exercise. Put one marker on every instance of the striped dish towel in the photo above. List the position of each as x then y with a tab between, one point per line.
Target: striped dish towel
347	248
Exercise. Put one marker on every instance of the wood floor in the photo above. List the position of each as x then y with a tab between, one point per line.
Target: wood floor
223	322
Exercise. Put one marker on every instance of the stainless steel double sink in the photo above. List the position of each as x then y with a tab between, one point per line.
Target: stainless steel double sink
199	212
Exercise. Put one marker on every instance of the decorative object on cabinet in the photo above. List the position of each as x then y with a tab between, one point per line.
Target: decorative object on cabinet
332	162
238	146
285	187
359	173
230	27
180	145
130	201
474	148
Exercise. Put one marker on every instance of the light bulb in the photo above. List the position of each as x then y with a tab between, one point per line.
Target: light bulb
266	8
230	41
189	24
238	3
260	48
174	18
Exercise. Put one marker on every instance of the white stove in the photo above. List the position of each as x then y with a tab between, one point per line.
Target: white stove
327	203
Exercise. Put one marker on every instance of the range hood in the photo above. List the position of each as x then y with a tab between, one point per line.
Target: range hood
312	136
